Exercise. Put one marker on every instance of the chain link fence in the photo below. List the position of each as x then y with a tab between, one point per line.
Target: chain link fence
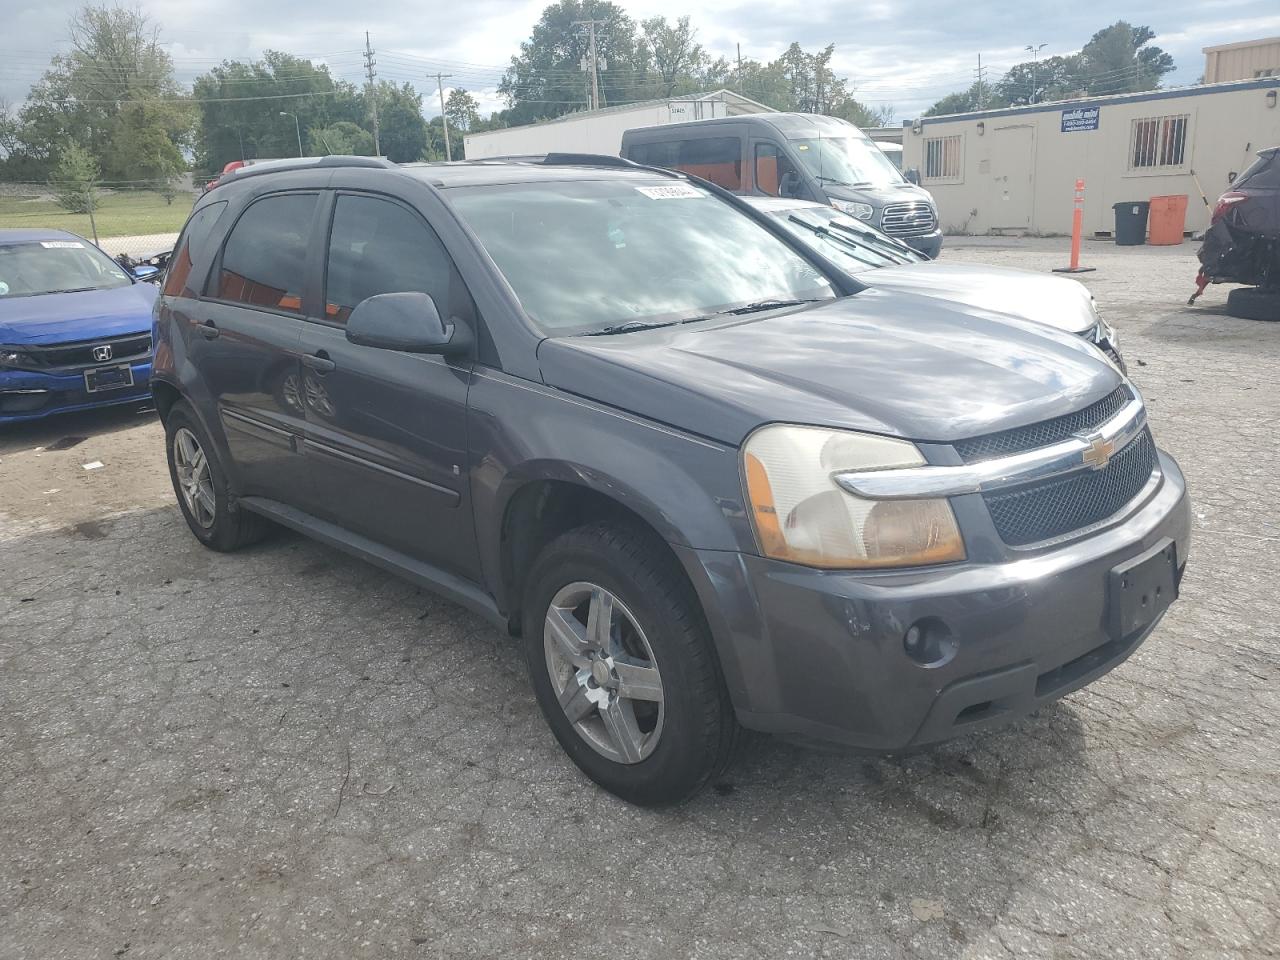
134	218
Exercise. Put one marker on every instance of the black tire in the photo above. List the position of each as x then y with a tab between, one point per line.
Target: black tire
699	729
1254	303
232	527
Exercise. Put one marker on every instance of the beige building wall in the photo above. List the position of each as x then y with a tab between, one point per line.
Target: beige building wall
1250	60
1015	170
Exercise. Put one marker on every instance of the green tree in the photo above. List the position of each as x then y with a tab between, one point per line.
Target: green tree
461	109
75	180
116	84
1118	59
979	96
247	110
403	130
674	55
343	138
546	79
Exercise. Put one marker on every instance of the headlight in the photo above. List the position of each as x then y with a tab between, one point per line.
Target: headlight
13	358
802	516
863	211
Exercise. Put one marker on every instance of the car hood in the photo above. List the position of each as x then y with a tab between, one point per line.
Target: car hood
880	195
65	317
890	363
1057	301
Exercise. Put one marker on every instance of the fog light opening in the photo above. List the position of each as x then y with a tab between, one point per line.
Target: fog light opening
930	642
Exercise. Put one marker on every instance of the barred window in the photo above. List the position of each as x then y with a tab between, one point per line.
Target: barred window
942	158
1158	142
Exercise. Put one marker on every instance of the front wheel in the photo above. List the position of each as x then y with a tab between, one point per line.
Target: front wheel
1254	303
623	667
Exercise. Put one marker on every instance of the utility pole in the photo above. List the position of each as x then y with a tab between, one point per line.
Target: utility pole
740	68
1034	50
981	84
369	64
444	118
593	63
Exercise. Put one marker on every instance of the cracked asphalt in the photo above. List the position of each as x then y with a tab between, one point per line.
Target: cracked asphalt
287	753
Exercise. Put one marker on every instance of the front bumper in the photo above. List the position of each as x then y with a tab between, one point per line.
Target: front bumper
33	394
930	244
819	654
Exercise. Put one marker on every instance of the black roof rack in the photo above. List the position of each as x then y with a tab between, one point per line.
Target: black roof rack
586	160
305	163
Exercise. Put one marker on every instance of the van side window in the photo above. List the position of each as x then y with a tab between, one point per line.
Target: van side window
775	174
264	261
190	249
377	246
718	160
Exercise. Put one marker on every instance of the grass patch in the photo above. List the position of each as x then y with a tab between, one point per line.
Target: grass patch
124	214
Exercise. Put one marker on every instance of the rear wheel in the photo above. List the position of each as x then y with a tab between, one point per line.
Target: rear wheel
622	665
200	483
1254	303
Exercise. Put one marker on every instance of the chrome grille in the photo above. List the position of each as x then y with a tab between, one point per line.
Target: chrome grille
1046	432
1041	511
912	219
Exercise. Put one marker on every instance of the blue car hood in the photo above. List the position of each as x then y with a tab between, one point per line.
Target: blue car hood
68	317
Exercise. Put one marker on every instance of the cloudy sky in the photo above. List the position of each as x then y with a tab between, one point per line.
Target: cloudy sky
905	54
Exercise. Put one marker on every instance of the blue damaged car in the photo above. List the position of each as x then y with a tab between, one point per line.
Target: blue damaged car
75	326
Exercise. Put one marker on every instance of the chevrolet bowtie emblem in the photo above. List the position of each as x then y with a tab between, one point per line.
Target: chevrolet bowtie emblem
1098	453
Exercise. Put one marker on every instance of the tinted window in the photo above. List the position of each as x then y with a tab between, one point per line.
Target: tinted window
775	174
381	247
718	159
191	249
264	261
593	253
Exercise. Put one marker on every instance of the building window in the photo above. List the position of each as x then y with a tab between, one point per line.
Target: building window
1269	72
1156	142
942	158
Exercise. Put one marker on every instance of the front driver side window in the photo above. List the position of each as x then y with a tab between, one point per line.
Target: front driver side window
775	175
377	246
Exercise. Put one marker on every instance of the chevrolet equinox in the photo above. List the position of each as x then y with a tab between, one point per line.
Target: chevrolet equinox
708	478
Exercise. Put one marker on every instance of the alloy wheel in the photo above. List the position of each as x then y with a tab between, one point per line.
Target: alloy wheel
603	672
195	482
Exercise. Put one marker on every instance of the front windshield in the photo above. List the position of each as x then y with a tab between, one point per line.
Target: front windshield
589	254
56	266
853	245
847	162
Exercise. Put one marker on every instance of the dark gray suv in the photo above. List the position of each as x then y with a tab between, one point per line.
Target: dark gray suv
709	479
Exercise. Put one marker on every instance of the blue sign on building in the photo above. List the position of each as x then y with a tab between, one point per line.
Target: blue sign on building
1080	118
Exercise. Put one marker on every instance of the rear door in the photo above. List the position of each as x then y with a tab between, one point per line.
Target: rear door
245	343
386	440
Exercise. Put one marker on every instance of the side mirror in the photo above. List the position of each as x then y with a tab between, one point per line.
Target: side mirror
408	322
145	272
913	176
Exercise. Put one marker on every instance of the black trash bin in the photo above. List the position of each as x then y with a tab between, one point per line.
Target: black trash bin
1131	223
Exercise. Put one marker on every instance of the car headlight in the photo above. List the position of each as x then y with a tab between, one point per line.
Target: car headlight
13	358
802	516
863	211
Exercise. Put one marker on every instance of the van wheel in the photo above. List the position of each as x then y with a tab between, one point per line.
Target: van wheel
1254	303
623	667
201	486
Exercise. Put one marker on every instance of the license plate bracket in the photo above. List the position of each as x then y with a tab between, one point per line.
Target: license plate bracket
115	377
1141	589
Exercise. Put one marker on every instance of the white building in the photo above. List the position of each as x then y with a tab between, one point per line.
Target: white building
1247	60
1015	169
600	131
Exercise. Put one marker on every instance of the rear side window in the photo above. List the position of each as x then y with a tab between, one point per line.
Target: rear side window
717	159
191	249
264	261
377	246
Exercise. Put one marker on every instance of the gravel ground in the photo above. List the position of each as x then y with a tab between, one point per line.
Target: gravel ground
286	753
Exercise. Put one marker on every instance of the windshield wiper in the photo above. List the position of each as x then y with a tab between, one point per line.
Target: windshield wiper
631	326
71	290
772	304
838	183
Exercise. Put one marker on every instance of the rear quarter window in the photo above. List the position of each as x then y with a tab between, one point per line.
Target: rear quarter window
192	248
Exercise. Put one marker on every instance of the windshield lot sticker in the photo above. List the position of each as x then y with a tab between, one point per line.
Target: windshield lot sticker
61	244
677	191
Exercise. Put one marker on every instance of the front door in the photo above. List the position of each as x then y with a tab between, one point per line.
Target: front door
386	430
1013	163
245	341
